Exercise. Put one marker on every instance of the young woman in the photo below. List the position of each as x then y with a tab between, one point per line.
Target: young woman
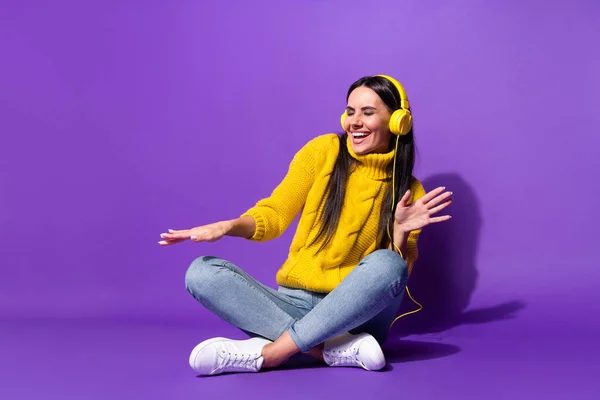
349	261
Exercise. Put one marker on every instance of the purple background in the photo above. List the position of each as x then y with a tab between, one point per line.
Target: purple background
121	119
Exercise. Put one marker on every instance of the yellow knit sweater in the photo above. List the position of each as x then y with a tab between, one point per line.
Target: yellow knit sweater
304	188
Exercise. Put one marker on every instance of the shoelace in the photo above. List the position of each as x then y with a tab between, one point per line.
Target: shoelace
345	357
237	361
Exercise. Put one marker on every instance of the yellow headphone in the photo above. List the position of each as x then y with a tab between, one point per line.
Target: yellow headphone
401	119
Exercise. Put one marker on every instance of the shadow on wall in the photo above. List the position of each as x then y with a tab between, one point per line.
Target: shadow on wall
445	274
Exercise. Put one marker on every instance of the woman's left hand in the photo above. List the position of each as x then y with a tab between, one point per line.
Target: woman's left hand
410	217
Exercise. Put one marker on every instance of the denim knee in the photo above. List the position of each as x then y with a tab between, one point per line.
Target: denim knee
200	275
388	267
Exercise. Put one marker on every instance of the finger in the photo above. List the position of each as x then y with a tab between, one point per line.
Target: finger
425	199
440	207
440	219
438	199
178	230
170	242
174	236
175	240
404	200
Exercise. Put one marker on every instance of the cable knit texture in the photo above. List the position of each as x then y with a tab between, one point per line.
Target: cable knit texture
304	188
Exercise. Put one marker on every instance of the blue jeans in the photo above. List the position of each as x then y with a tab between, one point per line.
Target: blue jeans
367	300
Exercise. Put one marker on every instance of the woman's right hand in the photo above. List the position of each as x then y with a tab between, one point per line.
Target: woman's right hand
205	233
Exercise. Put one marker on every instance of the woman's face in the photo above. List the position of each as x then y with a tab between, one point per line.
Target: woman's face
367	122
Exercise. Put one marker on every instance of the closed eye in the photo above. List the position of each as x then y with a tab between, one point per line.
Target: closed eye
367	110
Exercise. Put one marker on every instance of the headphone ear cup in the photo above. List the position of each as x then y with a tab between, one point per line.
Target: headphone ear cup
400	122
342	119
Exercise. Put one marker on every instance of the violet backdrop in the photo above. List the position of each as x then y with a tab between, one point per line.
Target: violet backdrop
121	119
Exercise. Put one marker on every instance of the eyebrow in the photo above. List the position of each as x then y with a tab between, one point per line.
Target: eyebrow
363	108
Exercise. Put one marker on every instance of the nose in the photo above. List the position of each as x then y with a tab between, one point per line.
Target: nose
355	121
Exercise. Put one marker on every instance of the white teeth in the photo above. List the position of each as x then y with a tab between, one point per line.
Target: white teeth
359	134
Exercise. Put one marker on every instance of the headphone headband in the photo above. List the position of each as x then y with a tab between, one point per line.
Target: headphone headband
404	104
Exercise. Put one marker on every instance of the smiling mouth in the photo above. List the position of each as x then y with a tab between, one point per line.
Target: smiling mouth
359	137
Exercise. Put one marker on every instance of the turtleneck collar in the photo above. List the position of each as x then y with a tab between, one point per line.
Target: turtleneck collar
373	165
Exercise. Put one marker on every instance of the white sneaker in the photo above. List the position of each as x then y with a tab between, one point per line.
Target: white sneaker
218	355
347	350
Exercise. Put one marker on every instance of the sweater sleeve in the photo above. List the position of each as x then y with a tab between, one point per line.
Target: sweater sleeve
412	252
275	213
